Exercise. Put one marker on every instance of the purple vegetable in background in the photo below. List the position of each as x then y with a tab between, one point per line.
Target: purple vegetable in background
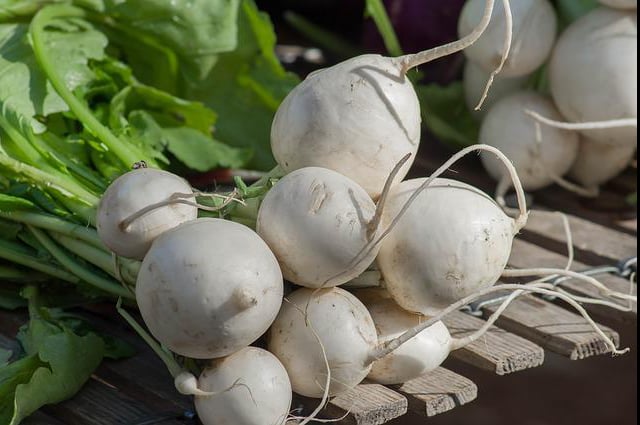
422	24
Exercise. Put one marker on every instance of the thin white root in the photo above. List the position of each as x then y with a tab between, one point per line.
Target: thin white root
182	198
569	238
325	394
375	221
592	125
186	383
408	62
551	272
508	37
587	192
388	347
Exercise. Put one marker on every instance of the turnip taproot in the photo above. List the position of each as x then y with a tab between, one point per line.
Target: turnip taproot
534	32
249	387
359	117
474	80
208	288
593	72
538	160
130	234
315	221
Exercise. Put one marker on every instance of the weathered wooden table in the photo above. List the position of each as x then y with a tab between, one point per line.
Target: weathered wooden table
138	390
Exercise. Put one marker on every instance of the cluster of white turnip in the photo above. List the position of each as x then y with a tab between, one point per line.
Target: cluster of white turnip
585	126
208	288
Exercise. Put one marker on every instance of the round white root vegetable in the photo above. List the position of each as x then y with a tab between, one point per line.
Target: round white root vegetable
620	4
598	163
208	288
359	117
338	320
131	193
534	32
249	387
474	80
593	72
315	221
509	128
421	354
452	241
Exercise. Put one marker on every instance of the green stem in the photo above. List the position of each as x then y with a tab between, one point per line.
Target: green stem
99	257
166	357
127	154
17	254
375	9
53	223
15	274
65	186
86	275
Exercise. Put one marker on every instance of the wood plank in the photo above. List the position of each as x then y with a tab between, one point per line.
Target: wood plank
498	351
594	243
367	404
438	392
552	327
101	404
527	255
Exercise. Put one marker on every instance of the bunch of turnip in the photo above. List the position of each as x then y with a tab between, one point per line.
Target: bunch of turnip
209	289
589	115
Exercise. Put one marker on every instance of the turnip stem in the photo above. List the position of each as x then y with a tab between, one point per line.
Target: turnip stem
14	253
408	62
127	154
505	54
388	347
70	264
592	125
172	365
53	223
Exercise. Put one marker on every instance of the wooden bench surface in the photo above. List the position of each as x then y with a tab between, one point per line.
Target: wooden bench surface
139	390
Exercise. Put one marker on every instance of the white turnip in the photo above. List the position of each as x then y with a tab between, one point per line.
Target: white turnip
249	387
539	153
359	117
208	288
593	73
534	32
337	320
123	223
452	241
598	163
315	221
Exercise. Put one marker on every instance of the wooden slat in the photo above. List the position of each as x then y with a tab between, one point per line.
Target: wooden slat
552	327
498	350
367	404
437	392
594	243
100	404
41	418
526	255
